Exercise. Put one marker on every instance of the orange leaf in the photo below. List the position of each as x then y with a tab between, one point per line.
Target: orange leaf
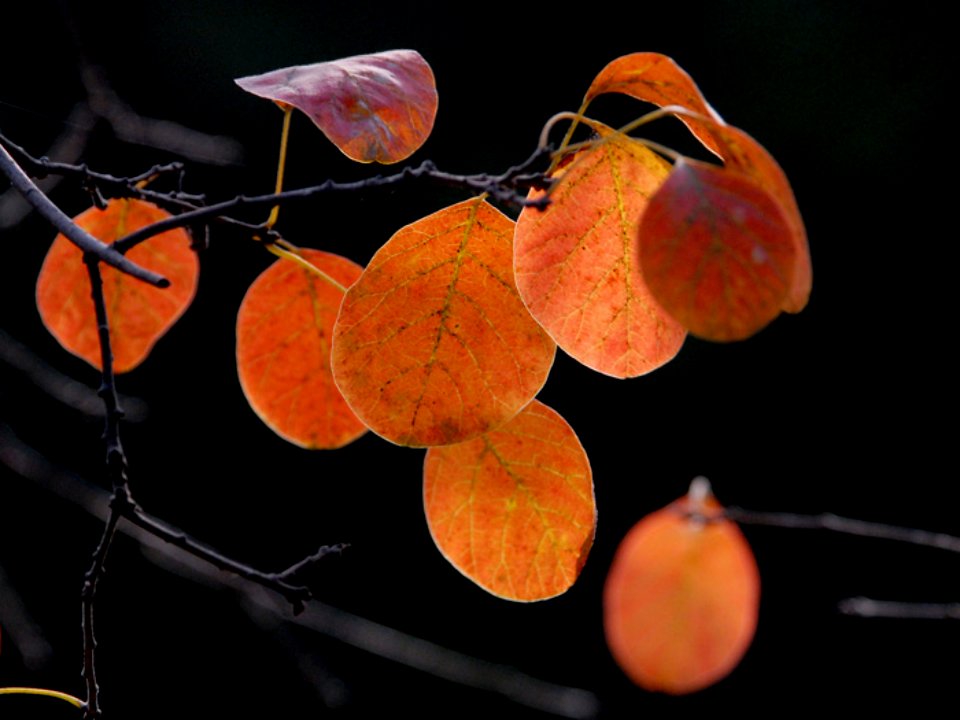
284	330
576	262
657	79
138	314
513	510
716	251
375	108
433	345
681	599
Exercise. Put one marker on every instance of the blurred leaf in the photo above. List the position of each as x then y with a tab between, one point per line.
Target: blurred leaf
375	108
284	331
138	314
513	510
577	265
717	252
681	598
433	345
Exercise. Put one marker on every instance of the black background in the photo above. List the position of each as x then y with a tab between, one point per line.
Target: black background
846	407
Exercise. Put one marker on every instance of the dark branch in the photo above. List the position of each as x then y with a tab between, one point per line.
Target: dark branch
847	526
80	237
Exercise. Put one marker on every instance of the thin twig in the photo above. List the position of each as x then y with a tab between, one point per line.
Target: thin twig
848	526
77	235
870	608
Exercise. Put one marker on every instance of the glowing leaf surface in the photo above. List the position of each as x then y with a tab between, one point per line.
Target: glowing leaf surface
284	331
681	599
513	510
657	79
433	345
375	108
138	313
717	252
577	265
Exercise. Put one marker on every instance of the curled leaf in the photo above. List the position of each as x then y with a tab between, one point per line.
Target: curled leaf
284	331
657	79
138	314
681	599
374	108
716	251
513	510
433	345
577	266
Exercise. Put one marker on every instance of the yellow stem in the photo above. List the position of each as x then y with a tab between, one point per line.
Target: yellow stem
569	135
76	702
282	165
293	255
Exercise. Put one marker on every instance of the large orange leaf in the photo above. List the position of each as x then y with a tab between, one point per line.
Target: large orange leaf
284	331
716	251
681	598
577	268
375	108
433	345
138	314
513	510
657	79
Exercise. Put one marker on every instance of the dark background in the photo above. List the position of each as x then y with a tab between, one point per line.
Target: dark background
847	407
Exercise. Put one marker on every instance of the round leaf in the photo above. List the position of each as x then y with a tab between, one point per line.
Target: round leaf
374	108
284	330
138	314
513	510
433	345
681	599
716	251
577	268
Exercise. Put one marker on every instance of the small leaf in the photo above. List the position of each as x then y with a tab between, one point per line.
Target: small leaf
657	79
513	510
577	268
374	108
681	598
716	251
138	314
433	345
284	331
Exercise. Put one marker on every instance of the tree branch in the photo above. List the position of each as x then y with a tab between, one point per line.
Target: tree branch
77	235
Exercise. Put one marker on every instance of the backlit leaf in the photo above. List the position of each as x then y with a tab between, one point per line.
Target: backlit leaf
741	153
513	510
717	251
657	79
284	331
375	108
433	345
576	262
681	599
138	314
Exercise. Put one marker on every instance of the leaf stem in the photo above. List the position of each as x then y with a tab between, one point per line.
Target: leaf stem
76	702
292	253
282	164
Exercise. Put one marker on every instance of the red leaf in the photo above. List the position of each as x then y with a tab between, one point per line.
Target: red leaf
577	268
433	345
681	599
284	331
138	314
716	251
375	108
513	510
